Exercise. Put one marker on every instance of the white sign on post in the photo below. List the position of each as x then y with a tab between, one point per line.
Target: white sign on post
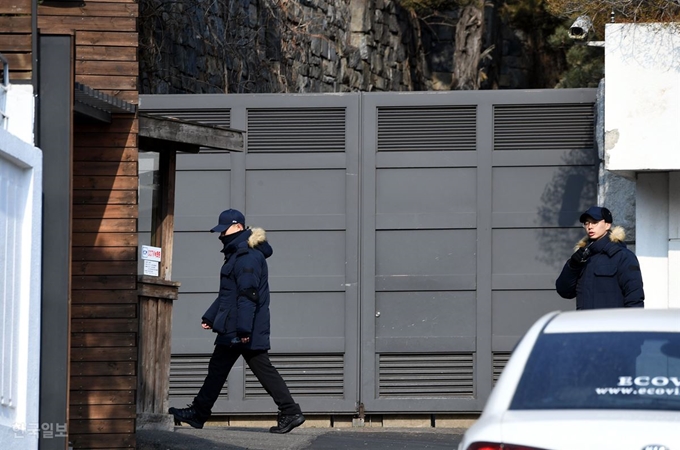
152	258
151	253
151	268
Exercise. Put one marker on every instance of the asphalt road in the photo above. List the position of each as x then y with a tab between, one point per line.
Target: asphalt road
232	438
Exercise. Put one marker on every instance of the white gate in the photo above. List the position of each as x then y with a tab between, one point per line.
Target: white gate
20	272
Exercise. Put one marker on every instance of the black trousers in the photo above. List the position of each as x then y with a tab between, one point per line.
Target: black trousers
221	362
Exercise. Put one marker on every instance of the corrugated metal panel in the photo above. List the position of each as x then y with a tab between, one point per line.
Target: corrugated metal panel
305	375
544	127
296	130
500	360
205	116
426	375
427	129
187	373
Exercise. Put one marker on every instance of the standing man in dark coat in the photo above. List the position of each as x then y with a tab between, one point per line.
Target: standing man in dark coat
602	273
240	317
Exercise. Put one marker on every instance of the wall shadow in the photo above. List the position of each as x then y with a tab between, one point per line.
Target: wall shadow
571	191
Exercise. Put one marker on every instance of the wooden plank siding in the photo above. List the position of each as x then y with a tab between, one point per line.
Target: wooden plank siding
104	300
15	38
104	311
106	41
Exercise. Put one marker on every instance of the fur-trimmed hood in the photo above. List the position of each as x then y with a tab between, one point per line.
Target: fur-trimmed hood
257	236
258	241
254	238
616	234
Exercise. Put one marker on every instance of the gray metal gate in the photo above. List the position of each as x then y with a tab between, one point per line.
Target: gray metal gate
416	237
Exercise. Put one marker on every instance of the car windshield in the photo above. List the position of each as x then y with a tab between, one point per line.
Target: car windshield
620	370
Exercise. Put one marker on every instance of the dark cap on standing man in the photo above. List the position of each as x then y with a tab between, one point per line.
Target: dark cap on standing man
227	219
597	213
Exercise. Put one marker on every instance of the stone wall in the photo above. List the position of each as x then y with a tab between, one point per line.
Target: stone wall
255	46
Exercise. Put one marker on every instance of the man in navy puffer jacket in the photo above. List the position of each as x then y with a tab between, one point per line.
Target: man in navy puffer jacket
602	273
240	317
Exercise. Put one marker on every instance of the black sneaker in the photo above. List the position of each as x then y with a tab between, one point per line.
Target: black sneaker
187	415
287	423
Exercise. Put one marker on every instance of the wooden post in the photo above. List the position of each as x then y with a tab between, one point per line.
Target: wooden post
155	326
167	136
163	220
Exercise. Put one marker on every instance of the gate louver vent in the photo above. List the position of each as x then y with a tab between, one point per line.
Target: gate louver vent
500	359
187	373
426	375
216	117
296	130
305	375
427	129
544	127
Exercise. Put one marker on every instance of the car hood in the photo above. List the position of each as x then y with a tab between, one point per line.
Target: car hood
583	429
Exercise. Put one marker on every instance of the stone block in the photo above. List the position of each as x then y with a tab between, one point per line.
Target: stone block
400	55
354	60
355	39
151	421
332	53
407	421
217	421
454	421
365	47
302	84
342	421
315	46
378	29
315	72
393	23
252	421
356	80
395	79
378	18
359	19
376	63
317	422
379	82
327	88
373	421
343	76
330	69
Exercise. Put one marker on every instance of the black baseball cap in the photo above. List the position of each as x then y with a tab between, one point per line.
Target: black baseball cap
597	213
227	219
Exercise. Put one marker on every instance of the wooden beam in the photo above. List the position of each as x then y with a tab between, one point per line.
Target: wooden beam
176	130
160	146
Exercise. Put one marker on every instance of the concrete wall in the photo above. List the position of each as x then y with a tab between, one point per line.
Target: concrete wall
614	191
642	111
642	67
20	262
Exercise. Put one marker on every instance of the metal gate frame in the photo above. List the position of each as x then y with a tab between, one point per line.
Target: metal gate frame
521	297
489	347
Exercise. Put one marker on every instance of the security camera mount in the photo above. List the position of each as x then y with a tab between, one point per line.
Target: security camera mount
580	29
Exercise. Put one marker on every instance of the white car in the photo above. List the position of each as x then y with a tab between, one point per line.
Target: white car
606	379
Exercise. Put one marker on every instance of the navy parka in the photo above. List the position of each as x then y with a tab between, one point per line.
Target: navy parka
610	277
242	305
